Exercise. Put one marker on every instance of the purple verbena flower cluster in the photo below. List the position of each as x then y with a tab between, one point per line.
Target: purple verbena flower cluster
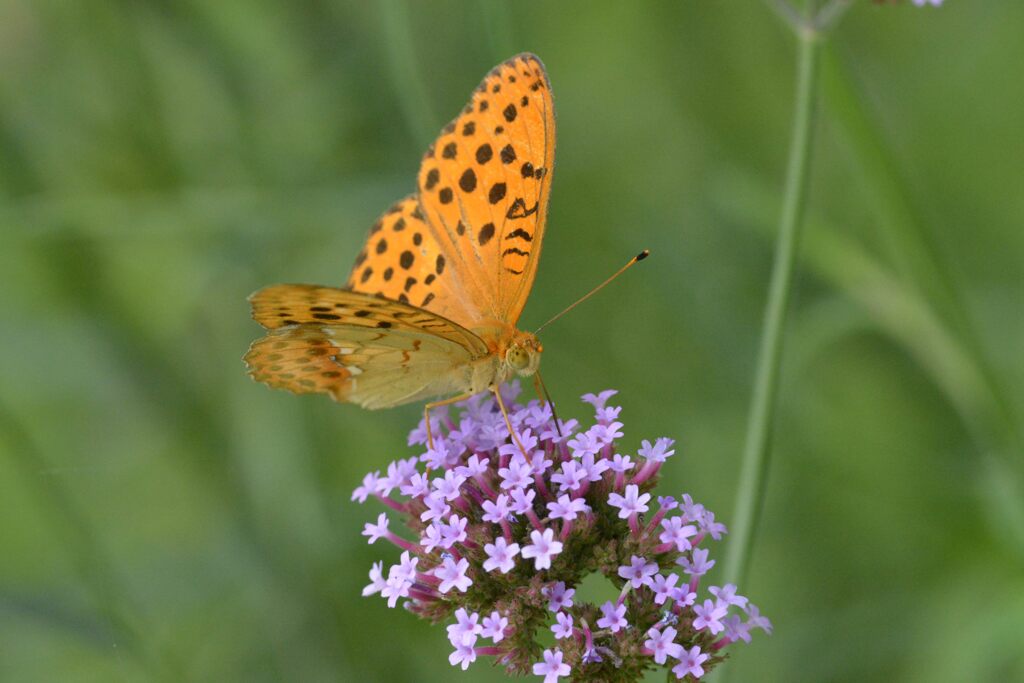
503	537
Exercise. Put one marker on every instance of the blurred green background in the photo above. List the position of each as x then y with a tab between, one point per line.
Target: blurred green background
162	517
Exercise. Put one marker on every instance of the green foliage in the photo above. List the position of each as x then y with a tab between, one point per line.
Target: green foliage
165	518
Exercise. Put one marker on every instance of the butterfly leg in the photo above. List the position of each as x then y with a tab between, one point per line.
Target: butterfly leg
542	393
508	422
438	404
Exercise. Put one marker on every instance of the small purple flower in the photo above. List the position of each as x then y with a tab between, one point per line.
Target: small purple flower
517	475
922	3
607	414
433	537
418	436
448	486
692	512
378	530
522	501
500	555
660	451
621	463
668	502
593	470
727	595
607	433
474	467
466	627
614	617
376	580
540	463
563	627
368	487
464	654
552	667
585	443
631	504
440	456
757	621
417	486
664	588
526	439
406	569
554	435
498	510
542	548
398	472
639	571
684	597
662	644
494	627
453	575
571	476
698	565
713	528
567	508
454	531
690	663
598	400
559	597
677	532
709	616
397	586
736	629
437	507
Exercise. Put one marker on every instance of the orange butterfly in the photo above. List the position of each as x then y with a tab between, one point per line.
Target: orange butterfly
431	305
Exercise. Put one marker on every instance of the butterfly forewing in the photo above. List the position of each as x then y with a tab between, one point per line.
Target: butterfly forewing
483	186
403	261
283	305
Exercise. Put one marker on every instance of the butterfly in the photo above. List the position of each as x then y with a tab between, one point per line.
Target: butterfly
431	305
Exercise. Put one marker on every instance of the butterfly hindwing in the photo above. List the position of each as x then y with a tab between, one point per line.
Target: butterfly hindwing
357	348
358	365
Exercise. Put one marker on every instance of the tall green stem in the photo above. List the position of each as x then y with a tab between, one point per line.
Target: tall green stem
757	450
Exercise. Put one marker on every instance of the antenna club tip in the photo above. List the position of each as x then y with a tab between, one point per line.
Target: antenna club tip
643	254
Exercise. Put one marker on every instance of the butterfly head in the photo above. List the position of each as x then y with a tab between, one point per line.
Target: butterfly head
523	354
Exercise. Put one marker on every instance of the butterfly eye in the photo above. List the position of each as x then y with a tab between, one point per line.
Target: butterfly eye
517	357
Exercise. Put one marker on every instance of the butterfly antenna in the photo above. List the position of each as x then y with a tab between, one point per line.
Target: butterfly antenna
543	389
633	261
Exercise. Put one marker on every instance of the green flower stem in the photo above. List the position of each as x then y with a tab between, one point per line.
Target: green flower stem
757	450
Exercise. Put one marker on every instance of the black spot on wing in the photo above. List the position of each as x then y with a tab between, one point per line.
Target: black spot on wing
520	233
519	210
497	193
485	234
433	176
467	182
